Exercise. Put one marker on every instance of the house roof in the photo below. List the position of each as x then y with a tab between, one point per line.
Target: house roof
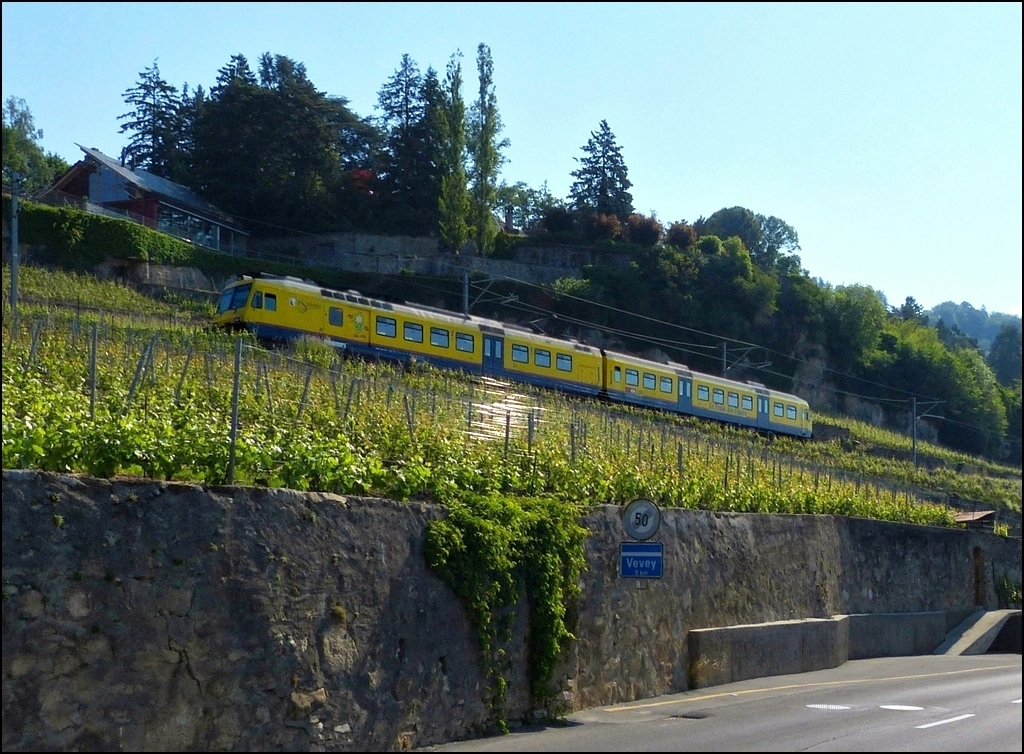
173	192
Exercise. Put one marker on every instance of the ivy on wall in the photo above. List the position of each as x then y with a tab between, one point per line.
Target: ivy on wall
495	551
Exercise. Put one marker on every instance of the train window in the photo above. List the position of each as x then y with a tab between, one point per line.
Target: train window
649	381
791	412
703	393
734	400
685	388
439	337
270	302
541	357
234	298
335	317
563	362
521	354
777	408
464	342
719	396
666	384
257	300
412	332
632	377
748	403
387	327
617	374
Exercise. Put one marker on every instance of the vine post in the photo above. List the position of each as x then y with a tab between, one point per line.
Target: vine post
234	411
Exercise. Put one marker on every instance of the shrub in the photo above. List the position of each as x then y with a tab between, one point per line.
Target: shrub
681	234
600	227
646	231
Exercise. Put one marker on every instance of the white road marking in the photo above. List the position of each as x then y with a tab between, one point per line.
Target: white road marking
1015	701
828	706
900	707
943	722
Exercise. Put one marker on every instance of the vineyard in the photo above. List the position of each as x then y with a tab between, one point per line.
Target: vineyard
129	386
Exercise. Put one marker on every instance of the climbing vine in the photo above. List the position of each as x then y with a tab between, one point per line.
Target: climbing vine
493	552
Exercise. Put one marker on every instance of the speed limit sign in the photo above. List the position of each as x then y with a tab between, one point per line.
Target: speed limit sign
641	519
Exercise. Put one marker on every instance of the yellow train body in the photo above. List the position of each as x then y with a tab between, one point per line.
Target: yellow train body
284	308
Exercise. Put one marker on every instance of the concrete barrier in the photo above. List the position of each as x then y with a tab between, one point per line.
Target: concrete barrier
738	653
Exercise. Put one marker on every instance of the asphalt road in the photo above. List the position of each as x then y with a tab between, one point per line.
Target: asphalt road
930	703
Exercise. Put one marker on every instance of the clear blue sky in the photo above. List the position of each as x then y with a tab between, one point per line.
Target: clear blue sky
888	135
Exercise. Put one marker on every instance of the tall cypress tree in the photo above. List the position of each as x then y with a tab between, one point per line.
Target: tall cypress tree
485	149
453	205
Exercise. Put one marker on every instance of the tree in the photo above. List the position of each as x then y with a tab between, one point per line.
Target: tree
21	151
733	221
527	205
602	184
485	151
779	241
681	234
646	231
408	163
1005	355
453	204
154	125
278	152
911	311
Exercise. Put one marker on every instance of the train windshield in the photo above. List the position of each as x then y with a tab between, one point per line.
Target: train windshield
234	298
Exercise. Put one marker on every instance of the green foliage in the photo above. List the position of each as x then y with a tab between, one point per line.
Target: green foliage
1009	593
646	231
494	551
454	203
409	160
279	153
1005	355
153	124
681	234
485	150
602	183
505	245
528	205
80	239
601	227
22	153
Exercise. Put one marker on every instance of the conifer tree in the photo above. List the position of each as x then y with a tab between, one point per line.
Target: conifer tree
602	184
154	123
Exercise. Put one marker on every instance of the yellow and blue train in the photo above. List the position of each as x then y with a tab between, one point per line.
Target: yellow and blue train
278	308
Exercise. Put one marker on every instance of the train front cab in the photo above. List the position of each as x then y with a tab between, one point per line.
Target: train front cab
284	309
789	415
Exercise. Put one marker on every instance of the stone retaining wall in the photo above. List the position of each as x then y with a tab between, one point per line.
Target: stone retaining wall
163	616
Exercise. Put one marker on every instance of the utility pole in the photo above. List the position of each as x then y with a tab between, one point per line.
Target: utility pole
914	416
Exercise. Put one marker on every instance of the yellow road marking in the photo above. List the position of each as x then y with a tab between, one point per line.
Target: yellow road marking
724	694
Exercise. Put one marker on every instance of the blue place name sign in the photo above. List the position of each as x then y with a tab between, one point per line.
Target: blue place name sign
641	560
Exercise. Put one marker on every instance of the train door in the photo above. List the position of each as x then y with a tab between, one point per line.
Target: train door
685	402
763	417
494	358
